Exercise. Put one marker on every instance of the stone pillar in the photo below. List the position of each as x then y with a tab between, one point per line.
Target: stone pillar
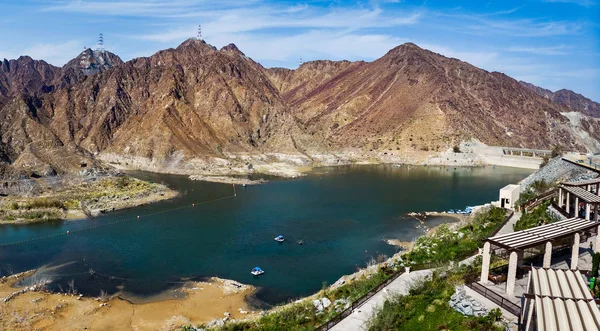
560	197
575	252
576	206
587	187
597	242
485	266
597	187
512	273
596	212
568	208
588	210
548	255
520	258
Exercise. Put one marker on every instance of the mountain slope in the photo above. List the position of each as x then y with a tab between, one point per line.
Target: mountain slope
414	99
194	108
179	104
569	99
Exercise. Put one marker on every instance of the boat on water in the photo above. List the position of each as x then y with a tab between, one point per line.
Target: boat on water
279	238
257	271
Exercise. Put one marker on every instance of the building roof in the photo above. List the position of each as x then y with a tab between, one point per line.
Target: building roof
583	182
583	194
539	235
563	300
510	187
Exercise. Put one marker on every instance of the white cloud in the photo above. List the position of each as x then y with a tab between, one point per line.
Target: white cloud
56	54
246	20
584	3
554	50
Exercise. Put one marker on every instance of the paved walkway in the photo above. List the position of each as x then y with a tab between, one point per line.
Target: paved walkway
508	227
401	285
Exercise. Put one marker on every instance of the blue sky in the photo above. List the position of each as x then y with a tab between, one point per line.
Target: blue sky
551	43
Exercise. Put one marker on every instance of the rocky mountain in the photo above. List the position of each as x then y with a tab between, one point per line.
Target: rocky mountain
165	109
568	98
194	107
414	99
90	61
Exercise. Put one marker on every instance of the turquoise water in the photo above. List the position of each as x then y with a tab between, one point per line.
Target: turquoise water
342	214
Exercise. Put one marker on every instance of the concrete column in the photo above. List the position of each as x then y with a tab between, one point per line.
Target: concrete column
520	258
597	187
596	212
485	266
560	197
512	273
597	241
588	210
568	203
576	206
575	252
548	255
588	187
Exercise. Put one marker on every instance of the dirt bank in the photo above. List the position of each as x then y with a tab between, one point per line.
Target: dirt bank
204	302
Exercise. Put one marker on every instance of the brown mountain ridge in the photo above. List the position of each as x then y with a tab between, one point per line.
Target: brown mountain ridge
195	108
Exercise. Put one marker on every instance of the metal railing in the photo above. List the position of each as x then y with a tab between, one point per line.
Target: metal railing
560	209
357	303
538	200
496	298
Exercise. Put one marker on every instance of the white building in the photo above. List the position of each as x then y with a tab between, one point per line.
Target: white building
509	196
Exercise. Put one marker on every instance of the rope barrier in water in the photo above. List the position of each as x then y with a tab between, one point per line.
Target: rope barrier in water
112	223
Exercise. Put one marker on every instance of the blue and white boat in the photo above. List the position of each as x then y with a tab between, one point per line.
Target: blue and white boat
279	238
257	271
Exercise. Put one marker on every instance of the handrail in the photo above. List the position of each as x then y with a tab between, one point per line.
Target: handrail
538	200
358	302
496	298
559	209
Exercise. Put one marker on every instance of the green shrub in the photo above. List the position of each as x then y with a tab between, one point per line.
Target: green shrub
536	217
595	264
427	308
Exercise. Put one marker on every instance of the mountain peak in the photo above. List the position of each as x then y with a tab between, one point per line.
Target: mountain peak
232	48
196	45
93	61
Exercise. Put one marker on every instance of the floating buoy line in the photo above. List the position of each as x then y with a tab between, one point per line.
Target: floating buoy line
69	232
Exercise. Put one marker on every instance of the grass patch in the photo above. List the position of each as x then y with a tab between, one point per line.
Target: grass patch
448	245
427	308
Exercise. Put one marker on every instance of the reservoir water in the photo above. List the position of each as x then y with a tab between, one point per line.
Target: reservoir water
342	214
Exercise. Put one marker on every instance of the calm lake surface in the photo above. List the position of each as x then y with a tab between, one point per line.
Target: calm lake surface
342	214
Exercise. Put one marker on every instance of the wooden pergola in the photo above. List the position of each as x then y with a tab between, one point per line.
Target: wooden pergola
517	242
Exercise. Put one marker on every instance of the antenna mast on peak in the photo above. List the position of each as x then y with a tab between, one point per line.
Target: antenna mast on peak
199	35
100	46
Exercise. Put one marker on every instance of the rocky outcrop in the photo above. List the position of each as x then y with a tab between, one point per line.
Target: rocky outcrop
466	305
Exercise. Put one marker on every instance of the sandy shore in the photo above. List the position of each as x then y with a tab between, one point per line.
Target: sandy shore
204	302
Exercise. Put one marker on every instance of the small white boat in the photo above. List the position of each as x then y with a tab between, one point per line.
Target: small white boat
257	271
279	239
